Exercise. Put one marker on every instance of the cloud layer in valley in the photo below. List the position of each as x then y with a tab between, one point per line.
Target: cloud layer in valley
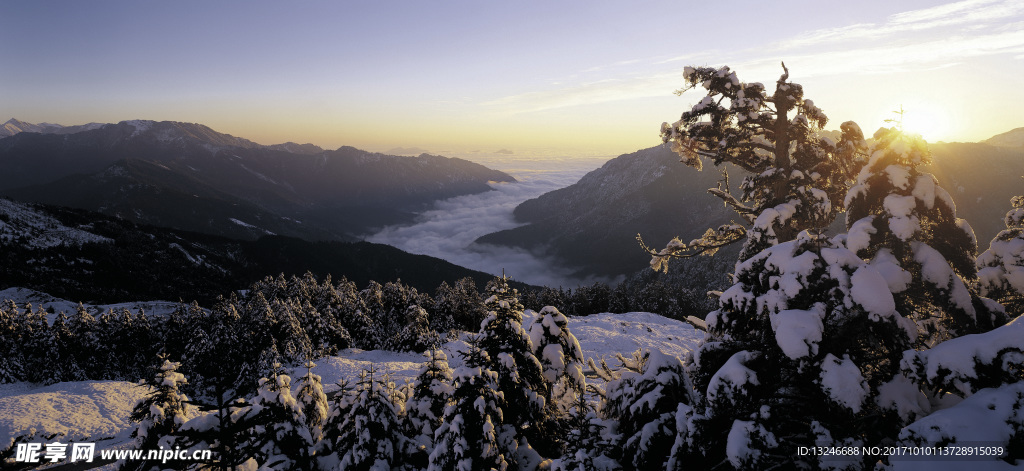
448	230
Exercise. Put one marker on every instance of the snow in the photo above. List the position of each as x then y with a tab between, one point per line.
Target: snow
100	409
732	376
936	270
843	382
982	419
38	229
23	296
75	410
957	359
797	331
866	286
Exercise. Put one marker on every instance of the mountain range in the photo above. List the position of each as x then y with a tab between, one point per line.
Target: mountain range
190	177
86	256
592	225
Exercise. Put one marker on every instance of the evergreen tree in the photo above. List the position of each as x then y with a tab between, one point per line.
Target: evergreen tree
279	437
313	402
561	358
161	413
1001	267
431	393
416	335
646	405
62	359
37	344
471	433
12	360
520	374
796	178
584	444
804	349
901	220
84	342
370	436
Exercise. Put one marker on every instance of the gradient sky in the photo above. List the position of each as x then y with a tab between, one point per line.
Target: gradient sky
568	77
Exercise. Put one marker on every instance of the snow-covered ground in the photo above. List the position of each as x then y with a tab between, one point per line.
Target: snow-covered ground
99	410
23	296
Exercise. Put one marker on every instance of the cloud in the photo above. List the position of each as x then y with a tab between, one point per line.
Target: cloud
928	38
448	230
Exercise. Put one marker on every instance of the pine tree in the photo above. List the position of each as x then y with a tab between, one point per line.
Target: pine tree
900	219
431	393
520	374
279	437
796	178
371	435
645	403
1001	267
84	342
313	401
804	349
416	335
12	360
471	434
560	356
584	444
161	413
62	360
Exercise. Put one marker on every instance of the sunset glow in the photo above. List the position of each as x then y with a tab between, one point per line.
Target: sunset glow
470	76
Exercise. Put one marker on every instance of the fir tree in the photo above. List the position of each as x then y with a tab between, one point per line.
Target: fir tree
370	437
1001	267
431	393
161	413
279	437
313	402
804	349
471	433
520	374
416	335
12	360
644	404
796	178
901	220
561	358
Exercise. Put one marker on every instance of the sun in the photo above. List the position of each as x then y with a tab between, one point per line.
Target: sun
930	121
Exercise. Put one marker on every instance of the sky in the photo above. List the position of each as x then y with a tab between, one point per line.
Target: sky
534	77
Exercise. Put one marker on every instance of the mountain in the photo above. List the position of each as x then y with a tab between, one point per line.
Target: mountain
82	255
592	224
1012	138
190	177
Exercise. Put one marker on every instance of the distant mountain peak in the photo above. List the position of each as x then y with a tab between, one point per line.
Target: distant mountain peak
1012	138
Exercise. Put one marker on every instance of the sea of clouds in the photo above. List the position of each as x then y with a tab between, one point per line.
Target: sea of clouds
448	230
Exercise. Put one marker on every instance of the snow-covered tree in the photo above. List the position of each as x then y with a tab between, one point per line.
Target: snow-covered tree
585	446
473	433
12	358
416	335
804	349
313	402
796	177
431	393
1001	267
279	437
370	435
561	358
520	374
900	219
645	407
160	413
